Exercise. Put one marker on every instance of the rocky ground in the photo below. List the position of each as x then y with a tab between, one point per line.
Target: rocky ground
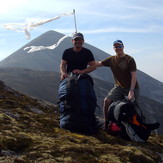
30	133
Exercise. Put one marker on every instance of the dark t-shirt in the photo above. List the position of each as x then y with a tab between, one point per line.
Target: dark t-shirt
77	60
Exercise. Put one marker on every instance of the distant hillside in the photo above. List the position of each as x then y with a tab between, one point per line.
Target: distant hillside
49	60
30	132
44	85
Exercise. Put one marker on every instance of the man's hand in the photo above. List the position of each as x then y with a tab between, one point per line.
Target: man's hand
131	95
63	76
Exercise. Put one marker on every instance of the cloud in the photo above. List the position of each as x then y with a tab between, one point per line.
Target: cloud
2	41
8	5
152	29
120	11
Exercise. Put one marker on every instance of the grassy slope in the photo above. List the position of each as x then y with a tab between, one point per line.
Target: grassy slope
29	132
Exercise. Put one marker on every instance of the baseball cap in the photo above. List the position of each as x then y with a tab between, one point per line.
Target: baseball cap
118	42
78	35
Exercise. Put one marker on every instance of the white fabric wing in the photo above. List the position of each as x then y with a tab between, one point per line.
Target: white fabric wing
37	48
25	27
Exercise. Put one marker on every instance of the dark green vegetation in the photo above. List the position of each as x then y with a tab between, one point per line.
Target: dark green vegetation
30	133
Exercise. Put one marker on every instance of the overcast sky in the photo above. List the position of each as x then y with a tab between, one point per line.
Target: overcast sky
139	24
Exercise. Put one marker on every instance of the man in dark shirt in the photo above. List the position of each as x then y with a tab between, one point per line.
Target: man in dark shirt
77	58
78	113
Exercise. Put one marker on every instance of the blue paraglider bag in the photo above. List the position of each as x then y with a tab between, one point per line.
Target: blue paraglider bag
77	104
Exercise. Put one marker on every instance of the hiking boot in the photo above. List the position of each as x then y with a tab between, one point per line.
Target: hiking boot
152	126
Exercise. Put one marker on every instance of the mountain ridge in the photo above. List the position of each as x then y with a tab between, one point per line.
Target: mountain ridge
49	60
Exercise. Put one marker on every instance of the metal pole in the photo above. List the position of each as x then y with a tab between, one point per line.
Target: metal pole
75	21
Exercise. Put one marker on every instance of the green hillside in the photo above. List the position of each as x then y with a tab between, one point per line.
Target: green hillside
30	133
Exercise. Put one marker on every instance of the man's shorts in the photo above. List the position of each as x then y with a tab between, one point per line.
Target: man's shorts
118	93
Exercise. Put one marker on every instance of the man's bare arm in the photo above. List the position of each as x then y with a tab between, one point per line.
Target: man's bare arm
63	69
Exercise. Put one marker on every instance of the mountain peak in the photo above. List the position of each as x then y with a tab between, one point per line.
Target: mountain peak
49	60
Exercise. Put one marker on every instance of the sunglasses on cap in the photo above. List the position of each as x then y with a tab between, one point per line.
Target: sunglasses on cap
119	46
